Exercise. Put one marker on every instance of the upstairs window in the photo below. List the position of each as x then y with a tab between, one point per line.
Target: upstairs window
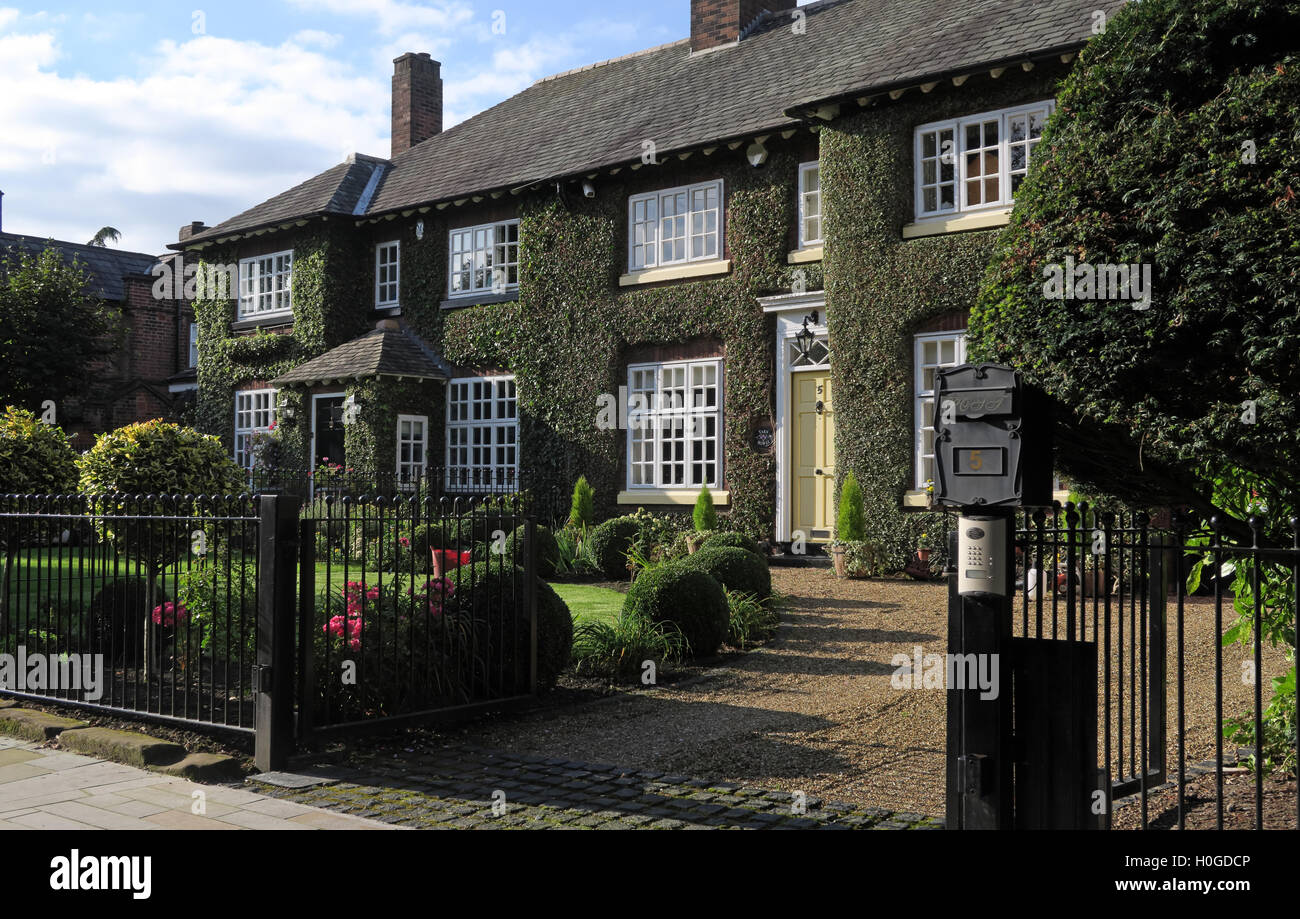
484	259
265	285
978	162
388	267
675	227
810	205
194	344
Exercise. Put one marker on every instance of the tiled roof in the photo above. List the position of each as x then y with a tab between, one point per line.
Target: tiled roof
336	191
388	351
599	116
107	267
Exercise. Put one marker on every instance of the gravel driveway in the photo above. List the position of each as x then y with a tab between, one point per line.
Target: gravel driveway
812	712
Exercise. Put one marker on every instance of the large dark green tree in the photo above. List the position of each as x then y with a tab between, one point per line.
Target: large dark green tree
1176	145
51	328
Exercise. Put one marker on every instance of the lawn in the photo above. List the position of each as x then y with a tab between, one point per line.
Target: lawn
590	604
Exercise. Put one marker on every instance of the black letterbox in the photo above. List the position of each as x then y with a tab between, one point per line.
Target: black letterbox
992	439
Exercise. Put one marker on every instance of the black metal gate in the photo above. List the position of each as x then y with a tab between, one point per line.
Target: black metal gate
1097	583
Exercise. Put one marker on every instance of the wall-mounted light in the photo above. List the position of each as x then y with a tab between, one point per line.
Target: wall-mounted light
807	336
756	154
285	409
419	229
588	190
351	409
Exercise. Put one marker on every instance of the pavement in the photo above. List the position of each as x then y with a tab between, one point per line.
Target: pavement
45	789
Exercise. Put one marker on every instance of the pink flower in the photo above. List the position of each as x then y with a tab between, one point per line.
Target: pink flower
403	542
169	613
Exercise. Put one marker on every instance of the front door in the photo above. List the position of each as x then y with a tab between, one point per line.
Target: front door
327	431
813	489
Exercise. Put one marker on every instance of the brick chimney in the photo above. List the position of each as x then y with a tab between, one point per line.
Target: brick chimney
192	229
719	22
417	100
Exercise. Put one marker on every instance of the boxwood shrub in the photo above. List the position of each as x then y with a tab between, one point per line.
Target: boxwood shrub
730	540
686	597
495	597
735	569
548	550
609	544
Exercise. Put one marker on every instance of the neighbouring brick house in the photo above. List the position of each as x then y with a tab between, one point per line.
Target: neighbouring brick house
147	369
764	239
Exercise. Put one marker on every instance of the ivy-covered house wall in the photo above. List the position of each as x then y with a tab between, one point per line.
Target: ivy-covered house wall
881	289
568	338
328	282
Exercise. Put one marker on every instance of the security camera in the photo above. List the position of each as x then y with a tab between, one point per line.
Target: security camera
588	190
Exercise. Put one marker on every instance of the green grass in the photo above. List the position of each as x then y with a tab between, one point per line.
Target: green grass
591	604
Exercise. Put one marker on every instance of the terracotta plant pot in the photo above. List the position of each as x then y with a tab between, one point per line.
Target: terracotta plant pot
841	566
923	554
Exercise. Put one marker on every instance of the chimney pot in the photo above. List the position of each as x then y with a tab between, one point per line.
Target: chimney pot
417	100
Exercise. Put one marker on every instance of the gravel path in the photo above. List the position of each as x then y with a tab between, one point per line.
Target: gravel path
812	712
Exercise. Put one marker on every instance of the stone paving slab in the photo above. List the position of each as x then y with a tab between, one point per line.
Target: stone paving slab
43	789
464	787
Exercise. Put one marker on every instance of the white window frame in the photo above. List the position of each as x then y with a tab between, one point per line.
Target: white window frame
258	287
646	225
194	345
243	456
805	198
957	127
494	432
409	471
388	275
923	424
647	414
489	254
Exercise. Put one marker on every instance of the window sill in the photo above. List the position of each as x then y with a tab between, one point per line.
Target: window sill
458	303
675	273
277	321
917	500
936	226
669	498
805	255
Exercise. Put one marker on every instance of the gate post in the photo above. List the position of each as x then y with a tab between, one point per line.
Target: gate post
273	674
980	755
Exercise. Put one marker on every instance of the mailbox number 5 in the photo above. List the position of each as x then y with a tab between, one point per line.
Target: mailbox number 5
976	460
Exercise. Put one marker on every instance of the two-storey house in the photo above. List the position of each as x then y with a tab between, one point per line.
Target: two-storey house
736	260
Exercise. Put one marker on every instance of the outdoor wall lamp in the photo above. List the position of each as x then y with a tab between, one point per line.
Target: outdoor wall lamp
807	336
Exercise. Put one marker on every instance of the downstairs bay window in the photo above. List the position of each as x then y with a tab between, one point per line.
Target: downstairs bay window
482	434
674	438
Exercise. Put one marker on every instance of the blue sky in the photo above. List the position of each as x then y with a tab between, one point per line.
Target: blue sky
145	116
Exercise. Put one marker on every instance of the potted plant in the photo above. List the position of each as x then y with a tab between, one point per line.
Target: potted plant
850	523
705	517
924	545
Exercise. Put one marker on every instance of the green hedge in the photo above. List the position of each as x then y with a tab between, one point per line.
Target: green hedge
609	544
735	569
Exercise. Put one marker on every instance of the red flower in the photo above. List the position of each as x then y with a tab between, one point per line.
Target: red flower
169	613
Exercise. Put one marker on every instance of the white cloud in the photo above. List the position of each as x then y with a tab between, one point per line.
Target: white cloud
7	15
391	17
214	126
316	37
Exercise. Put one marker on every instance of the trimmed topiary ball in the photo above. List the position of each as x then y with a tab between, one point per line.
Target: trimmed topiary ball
686	597
554	636
609	544
548	550
496	598
735	569
730	540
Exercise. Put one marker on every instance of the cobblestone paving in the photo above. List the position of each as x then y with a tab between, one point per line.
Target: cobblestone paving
463	787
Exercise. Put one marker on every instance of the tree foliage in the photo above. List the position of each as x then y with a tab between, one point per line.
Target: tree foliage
51	328
1176	145
35	458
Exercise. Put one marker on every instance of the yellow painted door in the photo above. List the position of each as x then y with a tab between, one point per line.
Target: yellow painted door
813	488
